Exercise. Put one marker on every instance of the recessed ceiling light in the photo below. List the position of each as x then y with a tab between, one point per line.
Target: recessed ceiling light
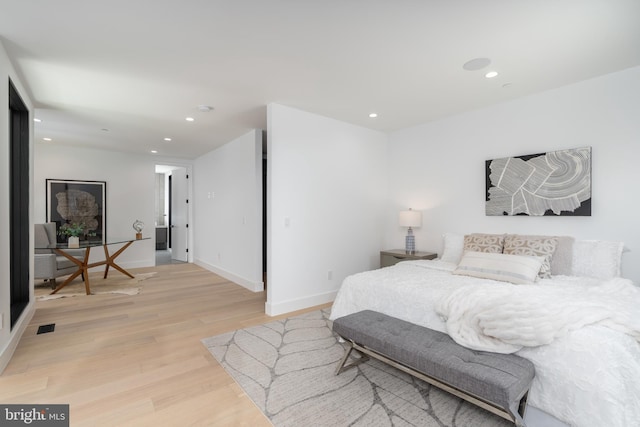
204	108
506	85
154	151
104	130
167	139
190	119
491	74
37	120
47	139
476	64
373	115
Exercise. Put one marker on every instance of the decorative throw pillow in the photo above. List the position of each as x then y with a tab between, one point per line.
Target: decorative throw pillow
543	246
478	242
452	247
597	258
506	268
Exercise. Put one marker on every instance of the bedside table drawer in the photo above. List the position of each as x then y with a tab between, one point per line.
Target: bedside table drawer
387	260
394	256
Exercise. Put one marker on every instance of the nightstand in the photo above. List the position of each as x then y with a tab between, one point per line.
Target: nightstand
393	256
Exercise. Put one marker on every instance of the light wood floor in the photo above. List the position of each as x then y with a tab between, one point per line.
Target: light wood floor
137	360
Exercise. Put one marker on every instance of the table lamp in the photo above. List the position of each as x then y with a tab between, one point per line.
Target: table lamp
410	219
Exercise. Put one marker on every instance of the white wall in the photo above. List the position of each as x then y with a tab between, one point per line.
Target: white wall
9	338
440	167
130	192
228	210
327	192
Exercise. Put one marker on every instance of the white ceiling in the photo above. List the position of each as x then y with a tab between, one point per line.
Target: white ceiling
124	74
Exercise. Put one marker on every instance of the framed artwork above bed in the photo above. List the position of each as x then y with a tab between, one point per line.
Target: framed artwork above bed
556	183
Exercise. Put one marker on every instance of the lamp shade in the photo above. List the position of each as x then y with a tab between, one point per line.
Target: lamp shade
410	218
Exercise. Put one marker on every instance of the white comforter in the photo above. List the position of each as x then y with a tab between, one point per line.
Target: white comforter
581	334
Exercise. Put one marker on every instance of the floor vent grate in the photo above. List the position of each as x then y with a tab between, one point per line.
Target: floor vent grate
43	329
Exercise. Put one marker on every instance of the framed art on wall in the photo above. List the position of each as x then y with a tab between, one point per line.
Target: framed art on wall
557	183
78	202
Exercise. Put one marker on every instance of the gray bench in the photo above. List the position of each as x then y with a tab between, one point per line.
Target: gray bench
496	382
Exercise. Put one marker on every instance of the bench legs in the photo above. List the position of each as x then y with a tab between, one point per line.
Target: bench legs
342	367
522	409
516	416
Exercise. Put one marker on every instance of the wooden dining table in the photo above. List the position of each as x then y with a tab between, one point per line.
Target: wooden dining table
84	265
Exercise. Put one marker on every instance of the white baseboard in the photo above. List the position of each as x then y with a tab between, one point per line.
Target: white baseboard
25	319
275	309
127	265
135	264
253	286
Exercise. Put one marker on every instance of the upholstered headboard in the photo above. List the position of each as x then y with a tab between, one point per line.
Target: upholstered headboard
584	258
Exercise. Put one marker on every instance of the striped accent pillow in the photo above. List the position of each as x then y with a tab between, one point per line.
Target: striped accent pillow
506	268
544	246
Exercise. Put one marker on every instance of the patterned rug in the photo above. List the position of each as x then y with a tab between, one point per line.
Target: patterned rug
287	368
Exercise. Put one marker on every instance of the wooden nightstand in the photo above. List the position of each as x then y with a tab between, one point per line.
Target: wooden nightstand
393	256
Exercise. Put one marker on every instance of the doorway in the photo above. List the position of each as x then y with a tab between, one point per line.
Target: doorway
172	214
19	204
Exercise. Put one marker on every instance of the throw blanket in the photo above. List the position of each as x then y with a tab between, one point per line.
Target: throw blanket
503	318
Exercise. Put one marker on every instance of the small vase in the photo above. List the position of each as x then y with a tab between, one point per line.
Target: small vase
73	242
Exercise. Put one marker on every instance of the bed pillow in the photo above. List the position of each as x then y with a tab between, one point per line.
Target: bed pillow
452	247
478	242
562	259
596	258
506	268
543	246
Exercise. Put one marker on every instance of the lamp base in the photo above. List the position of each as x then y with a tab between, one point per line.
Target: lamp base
410	242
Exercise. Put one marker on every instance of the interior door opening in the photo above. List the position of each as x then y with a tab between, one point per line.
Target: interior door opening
19	205
171	214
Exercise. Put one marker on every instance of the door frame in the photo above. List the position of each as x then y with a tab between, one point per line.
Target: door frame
19	215
190	231
181	182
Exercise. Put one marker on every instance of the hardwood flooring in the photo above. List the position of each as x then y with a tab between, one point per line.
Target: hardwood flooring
121	360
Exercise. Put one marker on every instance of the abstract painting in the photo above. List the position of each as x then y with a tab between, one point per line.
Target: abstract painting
81	202
557	183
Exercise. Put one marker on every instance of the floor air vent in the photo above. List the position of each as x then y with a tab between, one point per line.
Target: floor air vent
43	329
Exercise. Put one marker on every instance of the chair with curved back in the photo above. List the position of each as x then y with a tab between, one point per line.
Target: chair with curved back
47	264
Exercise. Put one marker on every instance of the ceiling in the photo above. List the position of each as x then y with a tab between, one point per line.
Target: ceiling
123	75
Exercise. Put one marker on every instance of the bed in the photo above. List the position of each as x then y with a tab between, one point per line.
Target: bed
579	323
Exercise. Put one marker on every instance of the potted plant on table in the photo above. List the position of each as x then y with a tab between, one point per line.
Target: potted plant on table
73	230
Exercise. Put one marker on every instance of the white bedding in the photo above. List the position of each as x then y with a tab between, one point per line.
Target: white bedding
588	365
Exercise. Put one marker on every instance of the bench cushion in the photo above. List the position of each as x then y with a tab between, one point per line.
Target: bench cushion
502	379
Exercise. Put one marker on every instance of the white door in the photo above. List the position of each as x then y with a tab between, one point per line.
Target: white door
179	214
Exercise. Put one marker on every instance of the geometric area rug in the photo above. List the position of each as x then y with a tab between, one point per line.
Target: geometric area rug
287	367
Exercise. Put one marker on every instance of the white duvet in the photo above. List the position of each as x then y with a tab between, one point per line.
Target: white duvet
581	334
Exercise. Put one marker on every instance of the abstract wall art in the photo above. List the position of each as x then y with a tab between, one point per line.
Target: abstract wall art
557	183
81	202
